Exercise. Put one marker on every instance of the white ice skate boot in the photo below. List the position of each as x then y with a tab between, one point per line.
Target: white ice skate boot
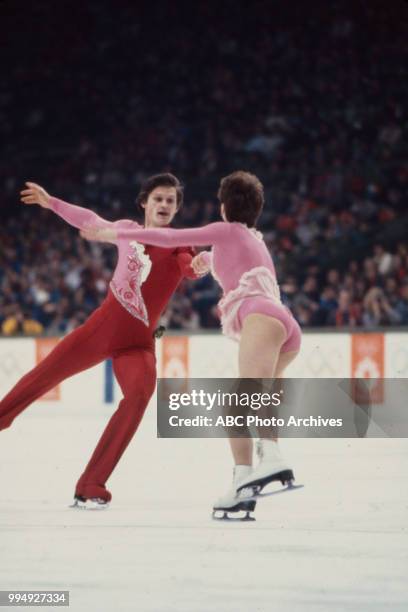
95	503
233	501
271	467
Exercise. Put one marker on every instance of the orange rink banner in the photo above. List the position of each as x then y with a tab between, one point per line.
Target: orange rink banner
43	347
367	361
175	357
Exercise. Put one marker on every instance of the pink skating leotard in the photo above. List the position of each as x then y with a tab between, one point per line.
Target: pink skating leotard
242	265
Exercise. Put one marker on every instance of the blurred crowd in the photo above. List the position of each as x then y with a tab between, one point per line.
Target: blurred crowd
312	101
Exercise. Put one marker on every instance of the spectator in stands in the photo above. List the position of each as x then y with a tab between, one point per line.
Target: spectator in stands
346	313
402	304
333	158
382	259
19	322
378	310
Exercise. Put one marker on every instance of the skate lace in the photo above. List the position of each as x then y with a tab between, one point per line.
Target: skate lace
245	493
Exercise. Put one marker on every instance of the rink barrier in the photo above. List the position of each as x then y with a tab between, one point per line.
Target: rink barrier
322	355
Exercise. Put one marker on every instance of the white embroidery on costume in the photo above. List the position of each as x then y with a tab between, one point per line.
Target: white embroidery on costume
130	295
139	251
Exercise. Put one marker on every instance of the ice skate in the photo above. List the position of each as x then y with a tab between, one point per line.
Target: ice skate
234	502
271	467
94	503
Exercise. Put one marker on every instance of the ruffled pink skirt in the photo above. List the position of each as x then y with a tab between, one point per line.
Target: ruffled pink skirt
257	292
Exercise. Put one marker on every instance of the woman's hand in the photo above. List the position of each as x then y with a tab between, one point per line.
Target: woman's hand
35	194
199	266
99	235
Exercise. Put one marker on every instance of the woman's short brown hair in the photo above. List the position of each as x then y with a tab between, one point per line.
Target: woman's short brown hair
242	194
160	180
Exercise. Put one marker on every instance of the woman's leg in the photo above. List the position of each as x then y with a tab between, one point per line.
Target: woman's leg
262	337
272	465
284	360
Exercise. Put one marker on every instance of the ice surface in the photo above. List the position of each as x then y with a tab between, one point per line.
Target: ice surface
338	544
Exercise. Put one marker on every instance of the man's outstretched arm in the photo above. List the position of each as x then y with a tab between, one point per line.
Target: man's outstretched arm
74	215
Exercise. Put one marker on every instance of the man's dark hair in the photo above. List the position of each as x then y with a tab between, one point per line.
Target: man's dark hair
160	180
242	194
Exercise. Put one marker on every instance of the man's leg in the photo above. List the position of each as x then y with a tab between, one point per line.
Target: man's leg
135	371
81	349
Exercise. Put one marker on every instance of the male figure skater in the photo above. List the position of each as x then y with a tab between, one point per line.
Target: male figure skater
122	328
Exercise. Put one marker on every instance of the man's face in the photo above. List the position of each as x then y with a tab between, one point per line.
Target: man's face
161	206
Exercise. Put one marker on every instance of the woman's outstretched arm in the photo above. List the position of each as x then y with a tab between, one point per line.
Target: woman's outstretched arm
214	233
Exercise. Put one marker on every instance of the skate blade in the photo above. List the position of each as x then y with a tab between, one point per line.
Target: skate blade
233	519
245	505
283	477
289	487
89	505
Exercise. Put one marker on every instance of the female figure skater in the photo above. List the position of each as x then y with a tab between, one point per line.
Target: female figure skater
251	310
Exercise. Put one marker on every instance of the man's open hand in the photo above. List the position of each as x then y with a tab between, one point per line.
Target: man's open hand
35	194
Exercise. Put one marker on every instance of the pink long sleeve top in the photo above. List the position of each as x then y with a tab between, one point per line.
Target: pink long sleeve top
236	249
